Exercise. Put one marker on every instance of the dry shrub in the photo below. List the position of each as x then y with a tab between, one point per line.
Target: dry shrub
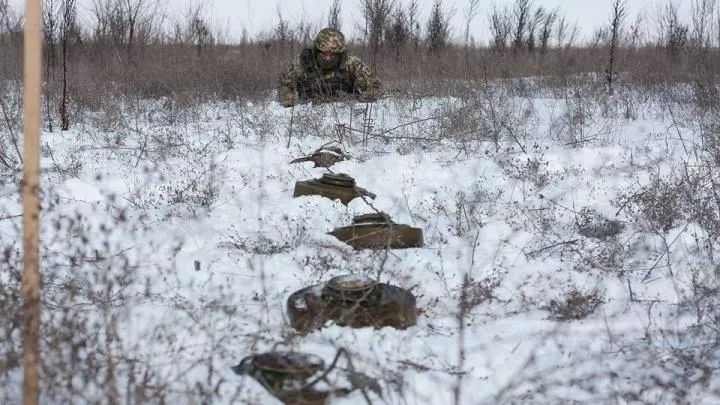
575	304
475	292
593	225
487	114
663	204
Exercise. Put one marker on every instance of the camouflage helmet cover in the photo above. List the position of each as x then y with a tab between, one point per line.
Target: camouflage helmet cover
330	40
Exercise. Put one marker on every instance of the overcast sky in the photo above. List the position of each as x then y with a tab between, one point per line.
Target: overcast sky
257	16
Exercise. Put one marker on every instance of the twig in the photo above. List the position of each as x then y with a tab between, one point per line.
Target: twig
10	130
573	143
662	256
4	161
408	124
292	117
542	249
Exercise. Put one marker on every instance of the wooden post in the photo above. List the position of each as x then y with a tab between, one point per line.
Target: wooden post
31	201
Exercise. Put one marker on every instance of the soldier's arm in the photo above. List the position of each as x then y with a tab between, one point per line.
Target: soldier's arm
288	78
368	84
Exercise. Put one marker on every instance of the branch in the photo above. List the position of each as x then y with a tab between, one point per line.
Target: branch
10	130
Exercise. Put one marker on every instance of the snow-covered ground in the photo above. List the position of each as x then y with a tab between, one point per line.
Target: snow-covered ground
172	240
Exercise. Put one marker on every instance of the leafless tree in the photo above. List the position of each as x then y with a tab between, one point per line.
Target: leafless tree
126	22
376	15
567	34
521	17
470	13
702	12
673	32
334	15
438	27
617	18
636	34
536	20
413	22
142	19
50	32
193	28
500	27
282	31
399	31
10	22
600	36
547	28
69	14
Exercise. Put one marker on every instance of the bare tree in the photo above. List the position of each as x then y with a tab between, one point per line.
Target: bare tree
566	34
376	15
69	13
334	15
617	19
110	21
10	22
305	31
10	38
470	13
413	23
282	31
673	33
438	27
537	18
500	27
50	31
702	12
199	30
521	17
131	11
547	29
126	22
399	31
716	27
600	36
637	35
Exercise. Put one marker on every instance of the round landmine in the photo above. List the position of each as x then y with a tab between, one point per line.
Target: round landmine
378	231
349	288
285	375
353	301
279	371
332	185
290	377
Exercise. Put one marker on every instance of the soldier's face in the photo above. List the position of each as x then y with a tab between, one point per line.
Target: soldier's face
328	60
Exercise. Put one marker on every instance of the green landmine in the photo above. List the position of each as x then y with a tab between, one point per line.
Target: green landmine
333	186
378	231
354	301
297	378
286	375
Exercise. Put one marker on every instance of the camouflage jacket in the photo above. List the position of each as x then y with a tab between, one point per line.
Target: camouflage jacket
351	76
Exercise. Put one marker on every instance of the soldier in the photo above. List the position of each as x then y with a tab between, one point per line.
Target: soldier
321	72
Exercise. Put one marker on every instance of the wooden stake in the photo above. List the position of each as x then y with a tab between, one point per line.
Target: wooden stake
31	202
